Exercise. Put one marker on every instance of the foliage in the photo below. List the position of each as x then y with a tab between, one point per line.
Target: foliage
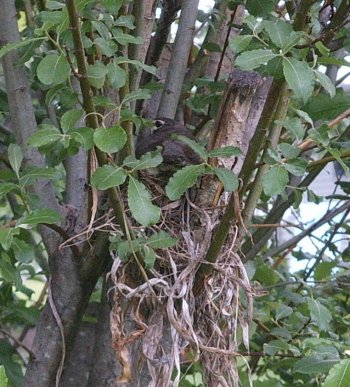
300	330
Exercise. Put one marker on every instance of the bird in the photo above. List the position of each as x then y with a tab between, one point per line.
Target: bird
174	152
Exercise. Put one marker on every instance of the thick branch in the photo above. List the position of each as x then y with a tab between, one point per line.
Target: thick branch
178	63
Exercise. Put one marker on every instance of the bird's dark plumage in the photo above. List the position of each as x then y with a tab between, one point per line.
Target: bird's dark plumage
174	151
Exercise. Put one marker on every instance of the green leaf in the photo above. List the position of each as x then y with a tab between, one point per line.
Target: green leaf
292	40
299	77
289	151
107	177
125	39
3	377
110	140
239	43
23	251
320	315
5	188
183	179
278	31
54	5
70	119
324	270
33	174
339	375
103	45
9	273
195	146
337	155
260	7
116	75
322	107
53	69
15	157
225	151
6	237
275	181
140	203
161	240
137	63
325	82
296	167
149	256
276	346
48	135
42	215
84	136
148	160
97	74
314	365
135	95
283	311
227	178
13	46
251	60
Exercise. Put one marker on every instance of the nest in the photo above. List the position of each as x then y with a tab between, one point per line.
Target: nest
160	322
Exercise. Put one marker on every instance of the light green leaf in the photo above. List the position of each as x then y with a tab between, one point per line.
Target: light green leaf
70	118
325	82
3	377
294	126
324	270
13	46
239	43
135	95
299	77
314	365
161	240
116	75
107	177
227	178
225	151
84	136
148	160
320	315
15	157
296	167
42	215
23	251
339	375
289	151
140	203
6	237
195	146
275	180
97	74
250	60
48	135
53	69
183	179
279	31
110	140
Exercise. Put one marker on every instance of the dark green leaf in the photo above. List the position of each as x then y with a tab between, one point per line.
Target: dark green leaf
324	270
227	178
15	157
260	7
104	47
84	136
70	119
10	274
116	75
296	167
321	107
137	63
293	39
279	346
195	146
6	237
299	77
97	74
42	215
182	180
140	203
31	175
23	251
320	315
110	140
289	151
135	95
275	180
5	188
240	42
325	82
314	365
13	46
48	135
107	177
279	31
250	60
294	126
339	375
283	311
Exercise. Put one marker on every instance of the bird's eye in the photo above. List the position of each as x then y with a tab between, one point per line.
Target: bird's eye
158	123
